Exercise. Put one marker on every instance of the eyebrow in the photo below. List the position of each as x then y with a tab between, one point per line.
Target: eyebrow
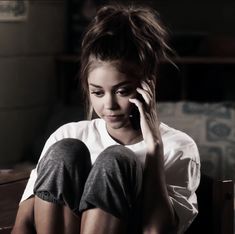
115	86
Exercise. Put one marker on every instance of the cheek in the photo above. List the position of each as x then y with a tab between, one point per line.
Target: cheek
126	105
95	102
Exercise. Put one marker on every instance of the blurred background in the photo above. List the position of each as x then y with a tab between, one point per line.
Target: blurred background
39	90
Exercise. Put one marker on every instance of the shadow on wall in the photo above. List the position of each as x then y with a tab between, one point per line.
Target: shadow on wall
28	76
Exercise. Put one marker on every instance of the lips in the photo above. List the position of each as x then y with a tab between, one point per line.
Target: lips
113	118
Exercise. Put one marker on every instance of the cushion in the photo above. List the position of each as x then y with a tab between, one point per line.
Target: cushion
212	126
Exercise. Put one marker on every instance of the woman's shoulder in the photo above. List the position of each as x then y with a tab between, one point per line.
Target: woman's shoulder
177	141
82	130
175	135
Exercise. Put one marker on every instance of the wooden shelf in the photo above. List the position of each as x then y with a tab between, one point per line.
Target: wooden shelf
11	175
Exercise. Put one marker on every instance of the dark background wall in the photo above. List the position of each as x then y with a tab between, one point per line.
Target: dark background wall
208	18
28	76
202	32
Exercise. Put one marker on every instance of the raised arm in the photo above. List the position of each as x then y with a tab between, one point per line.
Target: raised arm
158	211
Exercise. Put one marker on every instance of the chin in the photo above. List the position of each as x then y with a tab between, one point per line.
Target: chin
114	125
117	125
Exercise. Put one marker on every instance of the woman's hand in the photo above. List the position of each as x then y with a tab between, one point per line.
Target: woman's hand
149	121
158	212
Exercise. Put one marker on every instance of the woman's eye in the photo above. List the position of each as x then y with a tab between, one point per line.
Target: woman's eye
97	93
123	92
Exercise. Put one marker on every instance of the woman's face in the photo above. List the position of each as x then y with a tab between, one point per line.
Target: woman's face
109	92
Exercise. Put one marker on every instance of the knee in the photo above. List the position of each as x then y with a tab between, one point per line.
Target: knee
69	153
116	177
62	172
69	150
118	156
118	152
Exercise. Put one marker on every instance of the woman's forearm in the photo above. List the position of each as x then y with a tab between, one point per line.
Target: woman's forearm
158	212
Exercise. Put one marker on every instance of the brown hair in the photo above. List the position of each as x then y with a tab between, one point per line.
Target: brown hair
128	35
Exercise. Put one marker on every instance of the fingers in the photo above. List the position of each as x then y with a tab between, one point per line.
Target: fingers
147	85
139	105
145	95
147	91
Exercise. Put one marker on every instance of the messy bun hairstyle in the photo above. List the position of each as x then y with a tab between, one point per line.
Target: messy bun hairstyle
125	35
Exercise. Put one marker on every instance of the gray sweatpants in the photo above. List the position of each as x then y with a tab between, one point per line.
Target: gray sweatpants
113	183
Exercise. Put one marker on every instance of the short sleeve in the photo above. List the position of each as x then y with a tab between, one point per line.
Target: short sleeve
28	192
69	130
62	132
183	177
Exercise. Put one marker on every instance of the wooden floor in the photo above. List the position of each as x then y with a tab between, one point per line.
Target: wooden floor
12	184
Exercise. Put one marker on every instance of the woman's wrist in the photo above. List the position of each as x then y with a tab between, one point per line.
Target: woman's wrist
155	149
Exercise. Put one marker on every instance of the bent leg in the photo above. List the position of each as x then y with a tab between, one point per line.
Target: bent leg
48	217
62	173
98	221
24	223
51	218
112	191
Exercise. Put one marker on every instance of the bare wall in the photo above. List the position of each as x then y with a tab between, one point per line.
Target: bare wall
28	76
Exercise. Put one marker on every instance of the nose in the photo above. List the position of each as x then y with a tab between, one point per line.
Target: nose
110	102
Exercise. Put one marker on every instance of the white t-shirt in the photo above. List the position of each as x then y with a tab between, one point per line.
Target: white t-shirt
181	161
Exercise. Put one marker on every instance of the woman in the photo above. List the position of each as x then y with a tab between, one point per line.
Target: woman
124	171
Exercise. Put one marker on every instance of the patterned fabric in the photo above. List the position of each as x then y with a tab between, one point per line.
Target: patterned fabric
212	126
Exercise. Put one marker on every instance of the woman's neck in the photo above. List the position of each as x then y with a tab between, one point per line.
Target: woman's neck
125	136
